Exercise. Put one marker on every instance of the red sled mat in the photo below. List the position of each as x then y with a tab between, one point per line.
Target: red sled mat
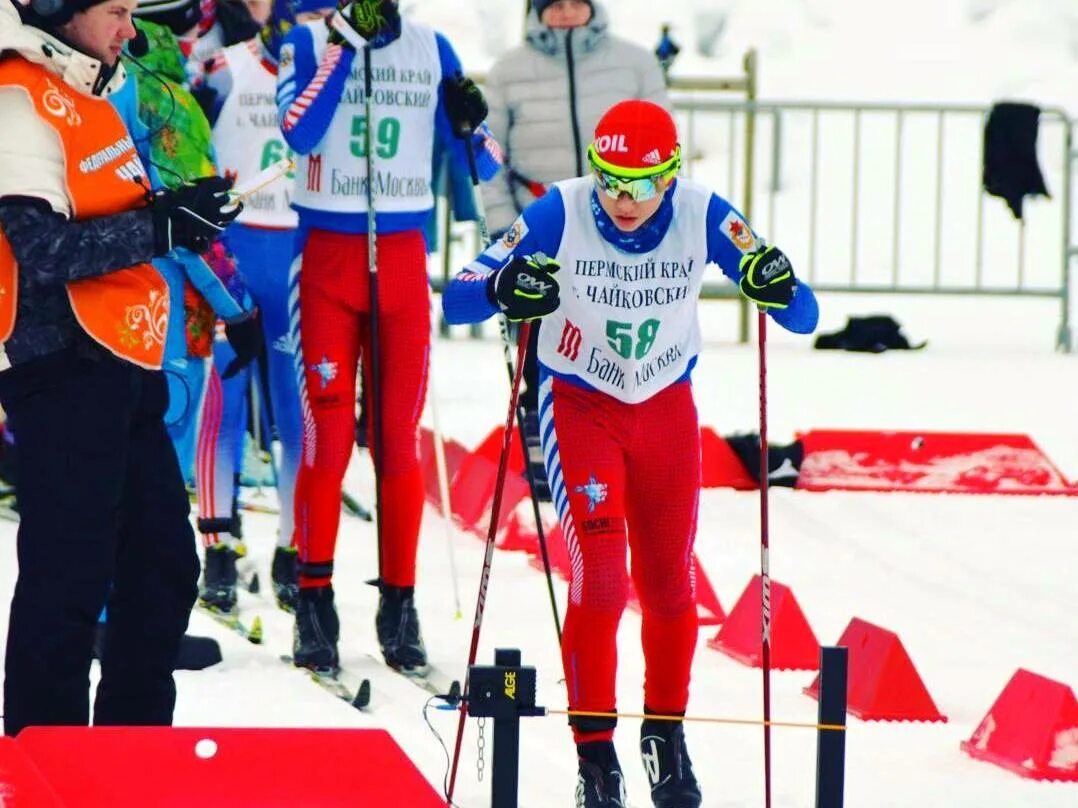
927	462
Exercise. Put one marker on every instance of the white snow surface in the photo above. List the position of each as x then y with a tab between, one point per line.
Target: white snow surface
974	586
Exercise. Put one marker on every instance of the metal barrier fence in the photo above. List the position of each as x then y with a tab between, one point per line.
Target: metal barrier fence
887	198
879	198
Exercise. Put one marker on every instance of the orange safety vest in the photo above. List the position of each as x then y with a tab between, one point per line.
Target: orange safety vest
126	310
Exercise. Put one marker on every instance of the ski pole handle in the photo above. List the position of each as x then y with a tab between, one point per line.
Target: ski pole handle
266	176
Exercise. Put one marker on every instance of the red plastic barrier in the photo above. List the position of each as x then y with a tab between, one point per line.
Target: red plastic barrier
491	449
520	534
883	684
793	642
928	462
21	784
472	493
105	767
720	466
708	608
454	457
1031	730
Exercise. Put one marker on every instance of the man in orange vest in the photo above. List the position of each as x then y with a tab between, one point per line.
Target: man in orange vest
104	513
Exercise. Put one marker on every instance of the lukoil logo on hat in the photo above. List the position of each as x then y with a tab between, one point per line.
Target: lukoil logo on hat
635	135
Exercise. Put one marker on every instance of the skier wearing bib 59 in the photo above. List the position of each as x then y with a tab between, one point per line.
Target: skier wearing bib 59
417	97
614	262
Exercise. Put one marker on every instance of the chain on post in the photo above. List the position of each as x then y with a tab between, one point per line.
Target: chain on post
480	744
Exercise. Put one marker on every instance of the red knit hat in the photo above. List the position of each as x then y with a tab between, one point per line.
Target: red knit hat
637	137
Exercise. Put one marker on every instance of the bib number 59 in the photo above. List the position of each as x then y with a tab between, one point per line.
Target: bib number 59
386	139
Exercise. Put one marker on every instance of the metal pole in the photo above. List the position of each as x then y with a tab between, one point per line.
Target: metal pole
374	360
831	743
750	64
505	779
1063	338
765	564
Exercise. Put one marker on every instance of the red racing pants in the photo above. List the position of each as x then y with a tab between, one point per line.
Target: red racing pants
335	335
624	476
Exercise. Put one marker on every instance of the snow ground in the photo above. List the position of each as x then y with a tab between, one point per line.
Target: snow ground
974	586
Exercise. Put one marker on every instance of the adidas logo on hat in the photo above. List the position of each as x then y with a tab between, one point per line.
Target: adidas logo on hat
652	158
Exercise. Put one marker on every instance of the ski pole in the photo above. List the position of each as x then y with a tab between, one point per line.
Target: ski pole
488	557
507	348
765	572
443	490
375	421
256	428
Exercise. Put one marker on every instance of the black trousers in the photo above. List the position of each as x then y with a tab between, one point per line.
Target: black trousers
103	518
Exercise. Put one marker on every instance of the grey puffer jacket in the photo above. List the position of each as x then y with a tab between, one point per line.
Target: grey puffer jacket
547	95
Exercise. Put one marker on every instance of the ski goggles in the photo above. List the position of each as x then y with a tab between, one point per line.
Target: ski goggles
641	184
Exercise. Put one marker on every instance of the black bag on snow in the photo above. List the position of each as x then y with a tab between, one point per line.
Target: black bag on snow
783	461
873	334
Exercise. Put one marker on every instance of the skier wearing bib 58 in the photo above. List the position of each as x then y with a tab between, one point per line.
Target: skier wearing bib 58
627	249
417	97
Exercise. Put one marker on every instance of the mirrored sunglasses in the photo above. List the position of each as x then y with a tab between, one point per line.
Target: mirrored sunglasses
640	189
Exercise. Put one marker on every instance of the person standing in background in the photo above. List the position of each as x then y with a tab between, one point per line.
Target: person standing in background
418	89
545	97
180	148
238	94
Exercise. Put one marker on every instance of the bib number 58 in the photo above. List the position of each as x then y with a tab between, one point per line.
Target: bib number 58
620	338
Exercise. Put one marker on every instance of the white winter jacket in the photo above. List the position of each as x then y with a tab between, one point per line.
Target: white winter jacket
547	95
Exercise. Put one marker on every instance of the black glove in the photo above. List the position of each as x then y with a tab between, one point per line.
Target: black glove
192	215
368	18
767	278
525	289
245	336
464	104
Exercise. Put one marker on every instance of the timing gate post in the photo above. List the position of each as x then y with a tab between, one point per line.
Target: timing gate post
504	691
831	743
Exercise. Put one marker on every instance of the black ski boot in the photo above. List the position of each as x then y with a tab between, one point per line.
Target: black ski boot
397	624
285	576
317	629
218	591
667	765
599	781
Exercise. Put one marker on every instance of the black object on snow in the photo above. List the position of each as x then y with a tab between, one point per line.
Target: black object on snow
783	460
196	653
874	334
1010	154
